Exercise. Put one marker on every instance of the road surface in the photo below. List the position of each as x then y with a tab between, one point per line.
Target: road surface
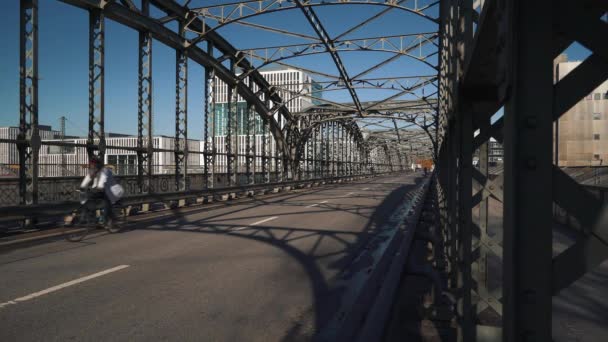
262	270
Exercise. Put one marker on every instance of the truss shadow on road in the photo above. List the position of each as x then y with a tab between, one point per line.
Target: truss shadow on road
325	254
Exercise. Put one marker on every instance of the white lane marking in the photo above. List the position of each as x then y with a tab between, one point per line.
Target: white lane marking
256	223
62	286
364	189
316	204
349	194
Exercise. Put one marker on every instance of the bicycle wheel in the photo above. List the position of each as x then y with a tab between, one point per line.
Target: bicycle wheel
79	228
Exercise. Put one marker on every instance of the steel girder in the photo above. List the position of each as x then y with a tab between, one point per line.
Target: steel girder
237	12
96	136
181	116
399	44
28	103
509	61
145	130
314	21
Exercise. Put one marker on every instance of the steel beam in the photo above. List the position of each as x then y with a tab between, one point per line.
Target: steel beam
314	21
28	103
96	137
145	142
181	117
210	122
231	134
528	134
250	142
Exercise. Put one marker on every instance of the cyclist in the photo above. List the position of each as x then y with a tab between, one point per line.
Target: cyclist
100	180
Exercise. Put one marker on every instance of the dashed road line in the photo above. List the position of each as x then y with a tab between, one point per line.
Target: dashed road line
316	204
256	223
62	286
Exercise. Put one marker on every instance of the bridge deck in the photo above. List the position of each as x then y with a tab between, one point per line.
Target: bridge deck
204	274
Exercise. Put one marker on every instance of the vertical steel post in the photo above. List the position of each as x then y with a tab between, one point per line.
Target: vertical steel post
528	188
181	116
250	142
310	155
334	150
28	136
145	143
210	122
464	223
482	262
327	172
453	143
315	153
231	148
278	155
265	166
96	144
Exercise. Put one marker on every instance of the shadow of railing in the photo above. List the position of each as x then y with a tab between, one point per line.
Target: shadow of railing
346	245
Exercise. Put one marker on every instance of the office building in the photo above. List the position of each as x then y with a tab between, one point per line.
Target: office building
582	132
296	88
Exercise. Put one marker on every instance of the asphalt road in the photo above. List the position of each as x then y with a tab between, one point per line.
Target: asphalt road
257	271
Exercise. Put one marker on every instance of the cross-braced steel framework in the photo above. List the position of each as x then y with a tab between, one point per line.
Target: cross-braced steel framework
500	54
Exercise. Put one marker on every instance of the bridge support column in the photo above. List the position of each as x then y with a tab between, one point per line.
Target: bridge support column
28	136
96	144
250	144
231	135
528	185
181	116
210	117
145	143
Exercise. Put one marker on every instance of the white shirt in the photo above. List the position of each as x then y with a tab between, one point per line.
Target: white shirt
103	181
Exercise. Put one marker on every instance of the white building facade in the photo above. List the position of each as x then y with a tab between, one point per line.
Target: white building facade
56	161
298	91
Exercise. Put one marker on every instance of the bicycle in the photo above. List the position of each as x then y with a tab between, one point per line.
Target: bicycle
84	219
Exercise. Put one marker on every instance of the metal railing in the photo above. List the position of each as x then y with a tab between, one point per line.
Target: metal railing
61	207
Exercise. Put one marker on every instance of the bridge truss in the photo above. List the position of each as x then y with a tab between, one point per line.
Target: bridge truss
332	139
482	56
500	54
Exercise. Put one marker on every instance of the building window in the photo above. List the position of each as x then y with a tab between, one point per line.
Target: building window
596	157
597	96
596	137
606	96
597	116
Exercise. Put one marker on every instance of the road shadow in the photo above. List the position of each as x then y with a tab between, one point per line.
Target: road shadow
307	246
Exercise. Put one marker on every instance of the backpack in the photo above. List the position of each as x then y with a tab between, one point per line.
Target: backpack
114	191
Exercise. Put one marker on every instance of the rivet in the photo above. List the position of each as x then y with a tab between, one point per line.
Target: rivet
531	122
531	163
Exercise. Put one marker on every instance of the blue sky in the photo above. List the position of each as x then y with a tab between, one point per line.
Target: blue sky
63	63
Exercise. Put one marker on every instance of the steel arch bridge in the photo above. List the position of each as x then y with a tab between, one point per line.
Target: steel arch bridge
480	57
